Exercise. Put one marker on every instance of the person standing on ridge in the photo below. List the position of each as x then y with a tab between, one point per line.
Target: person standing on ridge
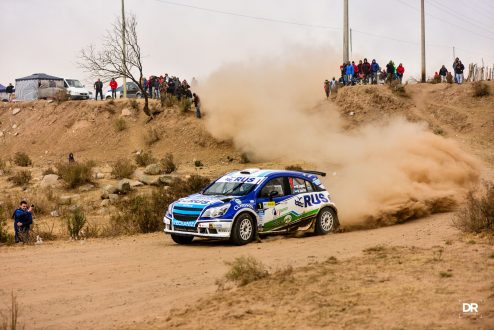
197	104
400	70
98	86
327	88
113	86
443	72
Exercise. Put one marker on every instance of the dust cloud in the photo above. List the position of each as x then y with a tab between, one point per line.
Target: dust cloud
275	109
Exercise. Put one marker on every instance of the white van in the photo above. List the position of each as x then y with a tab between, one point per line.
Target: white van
75	89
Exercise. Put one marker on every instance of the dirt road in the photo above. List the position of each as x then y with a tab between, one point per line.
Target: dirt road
118	282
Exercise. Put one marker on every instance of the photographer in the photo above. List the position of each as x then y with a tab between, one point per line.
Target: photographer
23	219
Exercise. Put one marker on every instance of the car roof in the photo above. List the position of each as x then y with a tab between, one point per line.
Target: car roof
268	173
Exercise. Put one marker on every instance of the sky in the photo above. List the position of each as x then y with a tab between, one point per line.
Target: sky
193	38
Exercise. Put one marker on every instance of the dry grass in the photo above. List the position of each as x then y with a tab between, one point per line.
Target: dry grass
48	171
145	158
75	221
76	174
10	319
184	105
397	88
152	136
21	178
168	164
134	104
120	124
5	236
22	159
480	89
61	96
478	213
168	101
4	169
122	169
245	270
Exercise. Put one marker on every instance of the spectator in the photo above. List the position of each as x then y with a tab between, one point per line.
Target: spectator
113	86
327	88
156	88
349	73
98	86
150	86
374	71
443	72
366	70
197	105
71	158
144	84
400	70
10	91
22	221
332	85
459	72
390	71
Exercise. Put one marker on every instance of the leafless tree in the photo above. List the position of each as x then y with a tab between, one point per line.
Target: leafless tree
108	62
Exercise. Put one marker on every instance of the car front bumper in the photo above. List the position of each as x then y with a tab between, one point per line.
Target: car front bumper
219	229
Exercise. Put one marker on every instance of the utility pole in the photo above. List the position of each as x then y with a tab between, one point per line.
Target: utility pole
422	26
124	87
346	57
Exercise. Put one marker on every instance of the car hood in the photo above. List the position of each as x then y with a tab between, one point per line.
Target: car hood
199	200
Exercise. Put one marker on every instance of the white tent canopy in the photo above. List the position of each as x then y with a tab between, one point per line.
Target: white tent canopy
36	86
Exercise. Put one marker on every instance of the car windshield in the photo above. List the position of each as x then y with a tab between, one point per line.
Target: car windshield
229	188
74	83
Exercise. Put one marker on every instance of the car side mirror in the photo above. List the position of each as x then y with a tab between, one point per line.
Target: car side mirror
272	194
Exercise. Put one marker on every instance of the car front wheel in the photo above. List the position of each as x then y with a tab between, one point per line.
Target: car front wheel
243	230
179	239
326	221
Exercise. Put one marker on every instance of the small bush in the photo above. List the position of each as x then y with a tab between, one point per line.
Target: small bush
5	236
120	124
75	174
61	96
184	105
44	230
294	168
168	100
198	163
397	88
123	169
10	319
245	270
480	89
134	104
152	136
244	159
136	216
445	274
449	78
3	167
168	164
22	159
48	171
144	158
75	221
21	178
478	213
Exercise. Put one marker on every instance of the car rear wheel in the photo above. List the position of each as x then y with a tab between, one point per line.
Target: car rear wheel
326	221
179	239
243	230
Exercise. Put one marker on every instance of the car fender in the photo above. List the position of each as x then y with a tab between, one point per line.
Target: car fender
251	212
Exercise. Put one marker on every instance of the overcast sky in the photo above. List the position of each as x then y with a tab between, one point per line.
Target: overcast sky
191	37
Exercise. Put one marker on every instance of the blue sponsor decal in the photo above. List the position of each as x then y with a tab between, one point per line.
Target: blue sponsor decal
315	199
298	201
184	223
242	206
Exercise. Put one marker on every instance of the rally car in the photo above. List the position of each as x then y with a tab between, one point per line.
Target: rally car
242	204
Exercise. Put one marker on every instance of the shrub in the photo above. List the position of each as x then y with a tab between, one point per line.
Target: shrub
44	230
478	213
246	269
136	215
21	178
22	159
120	124
134	104
5	236
48	171
184	105
144	158
480	89
244	159
61	96
75	221
75	174
198	163
168	164
10	319
111	102
3	167
168	100
123	169
449	78
397	88
152	136
294	168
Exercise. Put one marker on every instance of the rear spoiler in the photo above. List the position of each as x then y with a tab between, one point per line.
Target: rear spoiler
313	172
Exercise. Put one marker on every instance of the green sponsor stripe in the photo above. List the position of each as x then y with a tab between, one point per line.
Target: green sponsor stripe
280	221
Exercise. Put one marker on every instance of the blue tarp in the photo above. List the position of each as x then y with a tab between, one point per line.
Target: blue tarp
39	76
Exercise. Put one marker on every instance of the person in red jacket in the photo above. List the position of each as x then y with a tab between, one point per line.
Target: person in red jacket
113	86
399	72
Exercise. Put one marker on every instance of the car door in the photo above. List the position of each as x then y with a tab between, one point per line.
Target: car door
271	203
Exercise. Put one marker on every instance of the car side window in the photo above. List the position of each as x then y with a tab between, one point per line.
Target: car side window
310	187
275	184
297	185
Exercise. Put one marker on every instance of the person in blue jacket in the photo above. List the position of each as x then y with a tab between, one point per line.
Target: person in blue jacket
23	219
349	73
374	71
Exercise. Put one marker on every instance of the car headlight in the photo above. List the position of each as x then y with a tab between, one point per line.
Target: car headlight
215	212
169	211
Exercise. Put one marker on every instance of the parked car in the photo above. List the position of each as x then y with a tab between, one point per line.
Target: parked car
76	90
241	204
133	91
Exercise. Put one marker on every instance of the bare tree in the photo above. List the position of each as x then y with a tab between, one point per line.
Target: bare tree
108	62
